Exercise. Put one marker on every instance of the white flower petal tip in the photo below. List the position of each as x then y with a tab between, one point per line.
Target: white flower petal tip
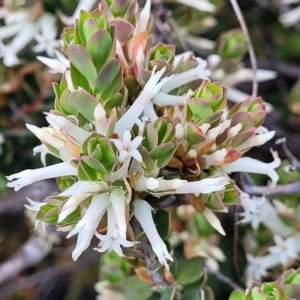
199	72
56	65
151	88
251	165
142	212
213	220
128	147
204	186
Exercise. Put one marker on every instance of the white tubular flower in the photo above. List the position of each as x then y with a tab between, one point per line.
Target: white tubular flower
199	72
114	238
27	177
151	88
213	220
251	205
83	191
203	186
87	226
24	36
86	5
100	119
215	159
128	147
9	30
143	18
291	17
46	39
201	5
146	183
142	211
164	99
79	134
56	65
286	250
46	137
149	112
35	207
256	140
263	212
214	132
251	165
258	266
43	150
237	96
181	58
170	185
244	75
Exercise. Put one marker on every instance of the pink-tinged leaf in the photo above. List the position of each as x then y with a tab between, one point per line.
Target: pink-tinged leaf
242	137
84	103
194	134
231	156
197	109
244	118
109	79
82	61
123	29
99	46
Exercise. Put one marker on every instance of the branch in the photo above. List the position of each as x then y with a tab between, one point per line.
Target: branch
31	253
244	28
290	157
221	277
14	203
146	249
285	189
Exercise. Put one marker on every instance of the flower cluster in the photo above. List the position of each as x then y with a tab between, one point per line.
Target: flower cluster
134	124
21	27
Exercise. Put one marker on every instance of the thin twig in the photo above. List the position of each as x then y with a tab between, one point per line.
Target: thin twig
31	253
159	281
286	189
220	276
291	158
244	28
89	258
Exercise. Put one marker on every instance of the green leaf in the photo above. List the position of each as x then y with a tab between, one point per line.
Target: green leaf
82	61
136	289
93	163
151	139
79	28
189	271
165	128
90	26
193	294
168	293
163	153
84	103
85	172
194	134
78	79
109	79
237	295
197	109
99	47
162	219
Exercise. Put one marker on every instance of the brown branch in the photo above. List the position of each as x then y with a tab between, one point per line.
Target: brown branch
285	189
14	203
159	281
31	253
290	157
221	277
